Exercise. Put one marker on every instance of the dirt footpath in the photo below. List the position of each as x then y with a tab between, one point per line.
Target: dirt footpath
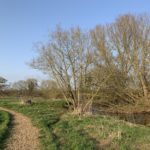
23	135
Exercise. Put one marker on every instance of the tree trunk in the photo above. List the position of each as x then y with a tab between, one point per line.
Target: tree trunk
144	87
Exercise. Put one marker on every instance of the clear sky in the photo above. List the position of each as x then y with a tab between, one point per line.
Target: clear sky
25	22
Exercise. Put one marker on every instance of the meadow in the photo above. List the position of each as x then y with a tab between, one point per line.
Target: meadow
59	129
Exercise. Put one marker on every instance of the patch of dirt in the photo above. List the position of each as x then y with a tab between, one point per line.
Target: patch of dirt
23	135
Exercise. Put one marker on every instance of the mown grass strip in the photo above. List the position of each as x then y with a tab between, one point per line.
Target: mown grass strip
5	120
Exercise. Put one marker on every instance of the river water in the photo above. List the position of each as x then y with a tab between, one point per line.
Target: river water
142	118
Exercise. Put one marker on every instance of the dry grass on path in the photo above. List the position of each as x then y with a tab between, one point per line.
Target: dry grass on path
23	135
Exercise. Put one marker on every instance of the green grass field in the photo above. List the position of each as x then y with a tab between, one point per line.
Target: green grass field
61	130
4	126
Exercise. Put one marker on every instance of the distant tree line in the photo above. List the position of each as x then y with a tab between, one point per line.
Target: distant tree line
29	88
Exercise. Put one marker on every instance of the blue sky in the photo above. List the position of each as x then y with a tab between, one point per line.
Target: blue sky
25	22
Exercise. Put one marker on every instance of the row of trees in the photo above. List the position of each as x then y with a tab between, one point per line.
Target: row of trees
30	87
25	87
22	87
110	62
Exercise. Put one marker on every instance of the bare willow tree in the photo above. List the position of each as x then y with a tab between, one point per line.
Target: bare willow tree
68	58
106	66
123	51
130	41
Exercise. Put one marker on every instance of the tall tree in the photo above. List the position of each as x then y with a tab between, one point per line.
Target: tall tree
105	65
68	58
130	37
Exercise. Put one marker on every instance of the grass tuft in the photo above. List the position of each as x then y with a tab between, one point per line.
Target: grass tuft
4	127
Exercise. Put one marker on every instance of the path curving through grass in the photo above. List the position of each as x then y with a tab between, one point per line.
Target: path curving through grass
23	135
